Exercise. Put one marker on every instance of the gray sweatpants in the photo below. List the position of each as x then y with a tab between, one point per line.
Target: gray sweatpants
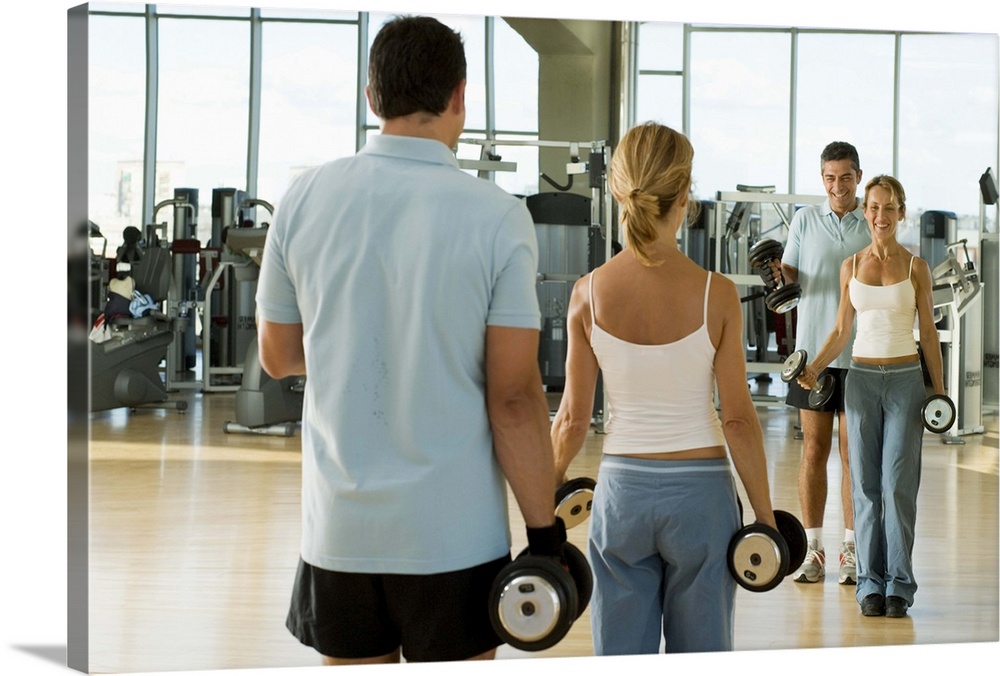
659	540
885	436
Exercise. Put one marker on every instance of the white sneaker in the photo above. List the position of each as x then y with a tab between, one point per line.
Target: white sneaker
813	567
848	564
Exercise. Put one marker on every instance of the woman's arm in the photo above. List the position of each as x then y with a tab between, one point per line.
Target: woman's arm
930	344
740	423
572	420
841	333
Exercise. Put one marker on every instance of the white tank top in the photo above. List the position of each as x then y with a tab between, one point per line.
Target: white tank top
885	317
660	398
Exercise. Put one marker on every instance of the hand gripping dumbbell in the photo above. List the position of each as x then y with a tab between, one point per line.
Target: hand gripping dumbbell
825	384
760	556
574	500
938	413
781	297
535	600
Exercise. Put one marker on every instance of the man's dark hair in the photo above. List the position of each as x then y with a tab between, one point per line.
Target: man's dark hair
415	64
840	150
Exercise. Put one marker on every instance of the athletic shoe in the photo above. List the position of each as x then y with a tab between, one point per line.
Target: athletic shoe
895	606
813	567
848	565
873	605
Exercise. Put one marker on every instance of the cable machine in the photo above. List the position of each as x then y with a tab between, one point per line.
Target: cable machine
573	238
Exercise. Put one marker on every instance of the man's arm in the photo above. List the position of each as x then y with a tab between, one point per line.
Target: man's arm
789	274
519	416
280	349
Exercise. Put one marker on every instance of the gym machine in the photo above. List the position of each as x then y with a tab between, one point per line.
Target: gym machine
228	289
213	285
263	404
99	271
181	300
125	362
574	237
728	240
566	251
989	266
958	315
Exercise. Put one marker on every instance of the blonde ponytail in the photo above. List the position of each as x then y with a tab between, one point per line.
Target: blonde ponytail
650	171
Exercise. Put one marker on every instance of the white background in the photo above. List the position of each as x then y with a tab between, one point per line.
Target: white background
32	347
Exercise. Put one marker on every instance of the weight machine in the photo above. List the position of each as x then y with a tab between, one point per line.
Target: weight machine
988	265
213	286
132	343
958	315
263	404
227	296
574	237
723	241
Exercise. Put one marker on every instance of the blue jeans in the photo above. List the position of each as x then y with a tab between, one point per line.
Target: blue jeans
885	435
659	541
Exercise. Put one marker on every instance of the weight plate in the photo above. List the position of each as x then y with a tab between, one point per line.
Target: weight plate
579	568
762	252
756	556
820	395
793	365
938	413
574	500
795	539
784	298
530	606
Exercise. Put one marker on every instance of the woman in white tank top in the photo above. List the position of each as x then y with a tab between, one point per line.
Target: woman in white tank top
665	334
884	288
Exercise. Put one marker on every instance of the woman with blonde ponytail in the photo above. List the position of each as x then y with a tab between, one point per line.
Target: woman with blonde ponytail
666	335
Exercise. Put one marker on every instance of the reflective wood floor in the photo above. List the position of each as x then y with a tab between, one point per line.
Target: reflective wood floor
194	540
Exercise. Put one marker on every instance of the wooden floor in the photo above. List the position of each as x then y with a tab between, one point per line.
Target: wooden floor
194	542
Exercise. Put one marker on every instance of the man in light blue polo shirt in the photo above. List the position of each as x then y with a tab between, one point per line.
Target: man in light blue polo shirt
404	289
820	237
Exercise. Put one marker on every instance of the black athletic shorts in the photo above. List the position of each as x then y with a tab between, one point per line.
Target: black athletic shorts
798	396
434	618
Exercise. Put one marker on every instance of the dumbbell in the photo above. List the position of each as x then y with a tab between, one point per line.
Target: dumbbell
760	557
825	384
534	601
574	500
938	413
781	297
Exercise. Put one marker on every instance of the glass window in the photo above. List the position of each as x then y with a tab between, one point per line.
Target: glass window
308	100
515	71
660	98
130	7
203	109
739	109
661	46
523	181
203	10
948	122
116	109
290	13
828	66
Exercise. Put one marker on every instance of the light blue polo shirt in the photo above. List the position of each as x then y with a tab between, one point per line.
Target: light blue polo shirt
395	261
818	242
